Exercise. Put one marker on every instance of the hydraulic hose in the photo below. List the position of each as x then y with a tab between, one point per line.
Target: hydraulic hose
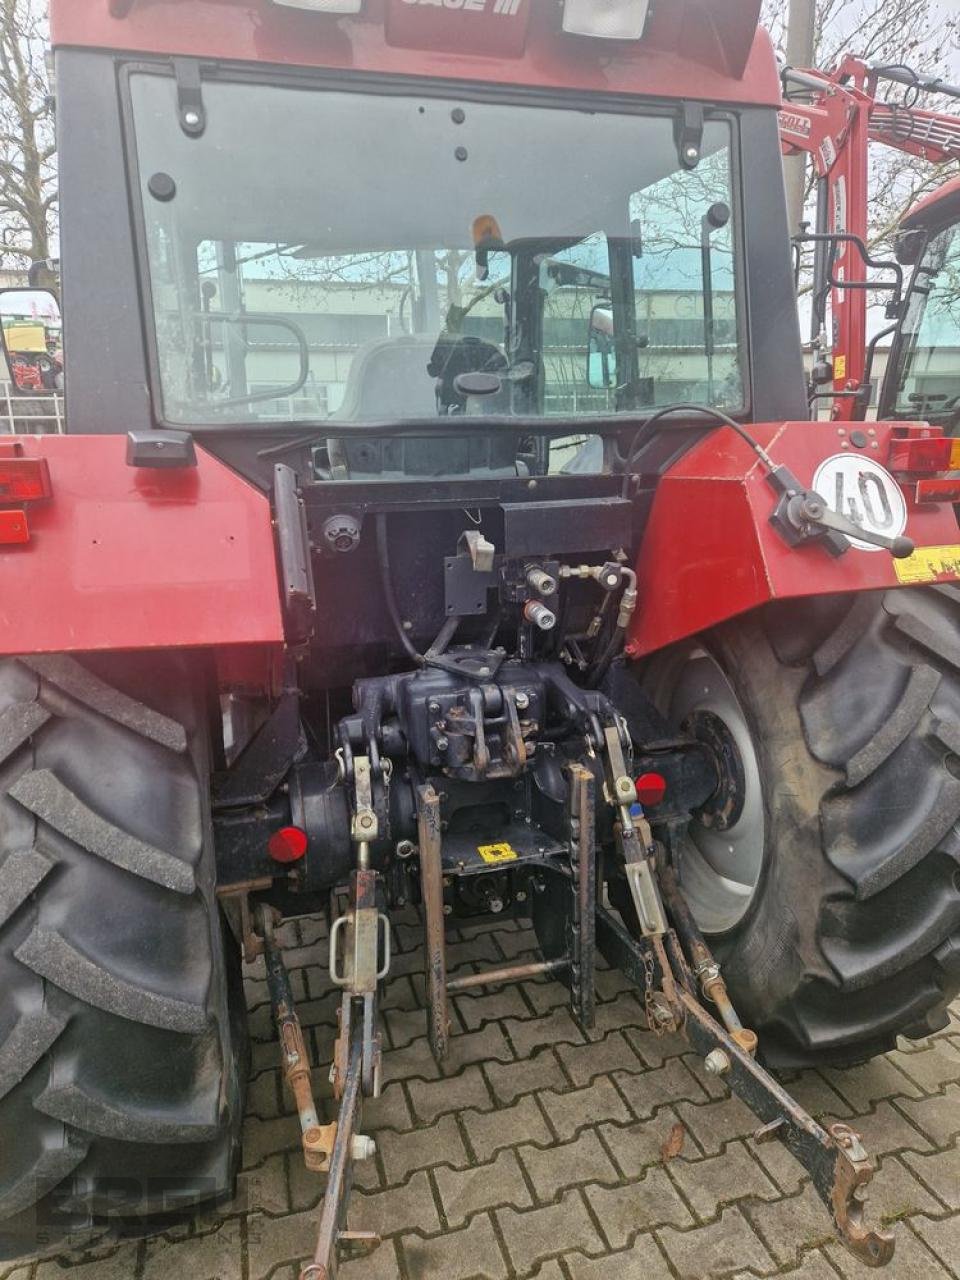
383	560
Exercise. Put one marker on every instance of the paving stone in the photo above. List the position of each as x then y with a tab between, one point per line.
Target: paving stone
896	1192
618	1014
216	1256
382	1264
820	1098
584	1062
399	993
397	1209
473	1254
569	1112
415	1060
403	1026
432	1098
911	1261
940	1170
509	1081
390	1111
942	1237
813	1266
507	1002
785	1169
486	1045
264	1188
715	1123
555	1027
729	1244
567	1164
292	1239
639	1144
402	1153
611	982
931	1068
650	1090
119	1265
263	1096
262	1138
642	1261
546	995
650	1201
484	1187
791	1225
481	951
654	1050
488	1132
937	1116
719	1180
515	945
540	1233
872	1081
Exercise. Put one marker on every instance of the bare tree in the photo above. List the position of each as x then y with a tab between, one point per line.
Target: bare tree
28	190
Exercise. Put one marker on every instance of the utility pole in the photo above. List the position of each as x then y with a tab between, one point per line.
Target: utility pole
801	51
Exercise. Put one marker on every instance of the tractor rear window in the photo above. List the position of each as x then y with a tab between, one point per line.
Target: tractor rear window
319	255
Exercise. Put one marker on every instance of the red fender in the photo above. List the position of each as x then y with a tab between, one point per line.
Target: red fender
709	551
137	558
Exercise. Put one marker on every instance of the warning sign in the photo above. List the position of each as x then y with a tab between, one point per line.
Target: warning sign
497	853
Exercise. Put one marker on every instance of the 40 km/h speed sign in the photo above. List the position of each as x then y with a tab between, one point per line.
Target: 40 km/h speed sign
864	492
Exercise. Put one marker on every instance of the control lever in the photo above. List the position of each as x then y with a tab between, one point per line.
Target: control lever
801	515
810	509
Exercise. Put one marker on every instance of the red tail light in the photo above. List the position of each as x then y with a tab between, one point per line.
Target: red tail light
944	490
24	480
915	454
14	530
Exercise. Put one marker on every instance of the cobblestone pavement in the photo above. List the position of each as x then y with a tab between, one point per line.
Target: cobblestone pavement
536	1152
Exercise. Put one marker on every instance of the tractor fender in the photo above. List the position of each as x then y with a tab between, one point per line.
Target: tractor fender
124	557
709	551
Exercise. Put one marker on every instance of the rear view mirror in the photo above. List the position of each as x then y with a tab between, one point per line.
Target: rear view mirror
601	349
31	333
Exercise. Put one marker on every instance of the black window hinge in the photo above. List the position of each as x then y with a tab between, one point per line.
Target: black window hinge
190	109
688	133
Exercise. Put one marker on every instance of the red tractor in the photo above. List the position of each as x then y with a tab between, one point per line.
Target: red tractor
835	117
440	520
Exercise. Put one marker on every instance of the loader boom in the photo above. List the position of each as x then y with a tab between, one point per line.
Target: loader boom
834	117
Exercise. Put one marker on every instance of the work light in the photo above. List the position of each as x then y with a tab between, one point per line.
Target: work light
322	6
606	19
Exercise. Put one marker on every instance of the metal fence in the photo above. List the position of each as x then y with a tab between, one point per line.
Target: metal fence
30	414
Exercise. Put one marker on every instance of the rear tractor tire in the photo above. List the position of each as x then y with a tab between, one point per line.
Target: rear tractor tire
826	872
122	1050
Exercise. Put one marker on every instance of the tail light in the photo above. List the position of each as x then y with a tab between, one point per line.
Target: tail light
14	529
922	450
943	490
24	480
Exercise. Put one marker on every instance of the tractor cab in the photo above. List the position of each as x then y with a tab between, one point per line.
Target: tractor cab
923	375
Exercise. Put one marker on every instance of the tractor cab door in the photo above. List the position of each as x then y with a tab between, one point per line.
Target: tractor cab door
922	380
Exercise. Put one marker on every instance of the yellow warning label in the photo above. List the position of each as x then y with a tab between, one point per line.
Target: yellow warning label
929	563
839	367
497	853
